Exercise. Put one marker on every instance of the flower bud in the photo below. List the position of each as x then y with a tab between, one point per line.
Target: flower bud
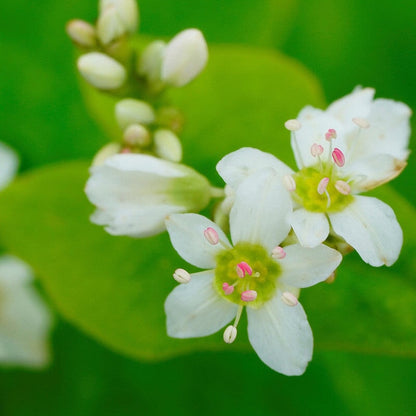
185	57
150	62
81	33
126	9
230	334
182	276
101	71
136	135
105	152
132	111
110	26
167	145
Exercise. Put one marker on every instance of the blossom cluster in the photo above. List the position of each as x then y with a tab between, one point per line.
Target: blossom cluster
274	230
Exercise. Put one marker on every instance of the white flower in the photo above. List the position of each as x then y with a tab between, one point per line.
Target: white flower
184	57
254	272
355	145
127	12
25	321
134	193
9	162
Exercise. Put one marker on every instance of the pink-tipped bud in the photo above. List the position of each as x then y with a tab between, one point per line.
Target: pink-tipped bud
211	236
361	122
343	187
290	299
242	269
330	134
278	253
316	150
292	125
338	157
323	185
182	276
230	334
227	288
289	183
249	296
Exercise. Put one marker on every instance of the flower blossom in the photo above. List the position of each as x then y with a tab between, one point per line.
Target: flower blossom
253	272
134	193
354	146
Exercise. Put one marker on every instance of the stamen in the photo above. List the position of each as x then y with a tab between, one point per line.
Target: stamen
323	185
230	334
361	122
338	157
290	299
248	295
289	183
278	253
330	134
211	236
227	288
293	125
342	187
316	150
328	203
242	268
181	276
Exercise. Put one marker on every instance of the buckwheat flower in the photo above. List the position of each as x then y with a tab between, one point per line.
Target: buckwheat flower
253	272
134	193
354	146
25	321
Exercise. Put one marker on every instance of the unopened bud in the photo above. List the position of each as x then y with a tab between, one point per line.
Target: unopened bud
290	299
292	125
110	26
185	57
182	276
211	236
105	152
361	122
136	135
101	71
127	10
289	183
230	334
167	145
82	33
132	111
150	62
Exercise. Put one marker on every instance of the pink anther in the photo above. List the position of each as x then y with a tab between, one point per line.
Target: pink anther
331	134
323	184
242	268
343	187
249	295
278	253
211	236
338	157
227	288
316	150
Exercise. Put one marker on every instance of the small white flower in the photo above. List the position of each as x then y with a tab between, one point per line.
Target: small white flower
355	145
134	193
184	58
25	321
127	12
246	274
9	162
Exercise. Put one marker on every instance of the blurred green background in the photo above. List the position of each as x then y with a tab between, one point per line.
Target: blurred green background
344	43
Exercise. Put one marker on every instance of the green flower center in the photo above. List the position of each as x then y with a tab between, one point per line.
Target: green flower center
307	189
239	261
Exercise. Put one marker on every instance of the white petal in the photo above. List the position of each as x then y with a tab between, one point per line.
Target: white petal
371	227
9	163
356	104
304	267
370	172
134	193
25	321
260	211
311	228
186	232
195	309
238	165
388	133
281	336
